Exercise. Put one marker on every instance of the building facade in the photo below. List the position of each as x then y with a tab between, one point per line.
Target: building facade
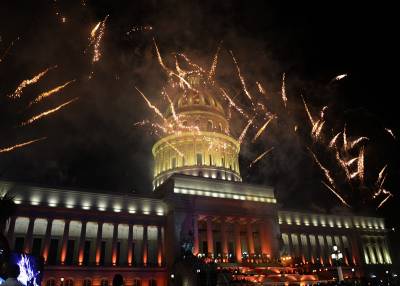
199	205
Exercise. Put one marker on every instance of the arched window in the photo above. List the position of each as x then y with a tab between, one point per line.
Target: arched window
197	123
184	123
87	282
209	125
69	282
137	282
153	282
220	127
173	162
51	282
104	282
210	159
199	159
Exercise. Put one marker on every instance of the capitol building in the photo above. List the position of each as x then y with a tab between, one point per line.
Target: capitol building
198	205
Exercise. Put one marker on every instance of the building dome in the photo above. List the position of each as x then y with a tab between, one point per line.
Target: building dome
201	145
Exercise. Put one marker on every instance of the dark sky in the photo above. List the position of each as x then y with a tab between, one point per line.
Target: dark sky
92	143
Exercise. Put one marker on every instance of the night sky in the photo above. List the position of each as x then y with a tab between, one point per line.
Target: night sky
93	143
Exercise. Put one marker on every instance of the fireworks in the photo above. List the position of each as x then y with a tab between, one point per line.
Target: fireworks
260	88
20	145
390	132
50	92
18	91
283	91
213	68
336	194
360	164
95	39
339	77
243	134
261	130
262	155
139	29
48	112
241	78
157	111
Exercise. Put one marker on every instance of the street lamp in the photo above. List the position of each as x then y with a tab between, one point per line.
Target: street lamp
337	257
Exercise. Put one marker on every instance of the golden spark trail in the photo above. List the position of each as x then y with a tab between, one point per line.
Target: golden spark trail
345	143
213	67
360	164
96	35
261	156
343	165
384	201
283	91
381	177
325	170
333	141
17	93
8	149
241	78
196	66
232	103
261	130
50	92
156	110
336	194
46	113
308	111
355	142
390	132
260	88
243	134
351	161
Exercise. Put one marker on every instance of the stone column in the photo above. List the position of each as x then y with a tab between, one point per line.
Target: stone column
114	245
29	235
47	239
346	259
82	239
310	248
64	242
328	251
291	249
144	246
301	250
250	239
238	246
210	242
98	241
195	235
130	241
160	247
224	239
318	250
10	233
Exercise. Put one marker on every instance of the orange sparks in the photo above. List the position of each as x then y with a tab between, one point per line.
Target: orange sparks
8	149
232	103
156	110
284	97
213	67
241	78
357	141
50	92
261	130
336	194
261	156
333	141
384	200
96	35
308	111
18	92
260	88
360	164
345	143
46	113
325	170
192	64
243	134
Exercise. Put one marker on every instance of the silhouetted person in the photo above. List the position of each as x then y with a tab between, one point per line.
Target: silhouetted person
12	274
118	280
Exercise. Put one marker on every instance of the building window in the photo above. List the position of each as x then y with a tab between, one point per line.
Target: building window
86	252
70	252
87	282
209	125
36	246
137	282
210	159
183	161
184	123
199	159
102	252
220	127
51	282
173	162
69	282
19	244
153	282
104	282
223	162
53	252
